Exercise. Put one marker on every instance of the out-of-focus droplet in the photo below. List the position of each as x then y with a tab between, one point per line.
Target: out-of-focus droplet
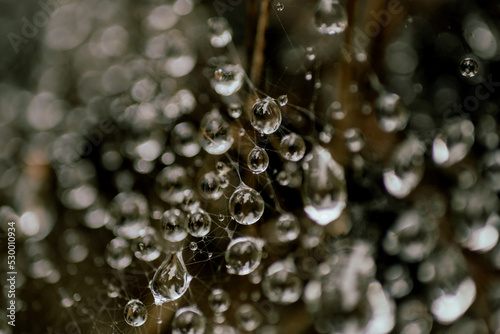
189	320
354	139
235	110
258	160
330	17
219	300
171	184
246	205
248	317
243	255
469	67
118	254
292	147
491	170
199	223
324	192
135	313
412	237
391	112
184	139
283	178
227	80
171	280
219	32
406	168
265	116
280	6
146	246
398	281
162	18
209	186
414	317
173	225
74	245
336	111
130	211
287	228
453	142
217	138
282	284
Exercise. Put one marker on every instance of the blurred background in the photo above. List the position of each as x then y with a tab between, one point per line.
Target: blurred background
233	166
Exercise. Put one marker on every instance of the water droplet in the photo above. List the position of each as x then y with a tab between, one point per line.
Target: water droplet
209	186
199	223
173	225
235	110
354	139
243	255
283	178
265	116
228	79
412	237
219	300
73	245
171	280
216	133
391	112
171	184
258	160
135	313
146	247
130	211
336	111
118	254
453	142
280	6
406	168
282	284
330	17
193	246
246	205
292	147
287	227
219	32
188	320
283	100
324	192
184	139
469	67
308	76
248	317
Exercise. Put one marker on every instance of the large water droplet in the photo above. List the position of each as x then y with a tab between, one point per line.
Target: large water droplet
282	284
171	280
292	147
189	320
324	192
199	223
265	116
173	225
258	160
243	255
246	205
453	142
227	80
330	17
216	133
391	112
135	313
